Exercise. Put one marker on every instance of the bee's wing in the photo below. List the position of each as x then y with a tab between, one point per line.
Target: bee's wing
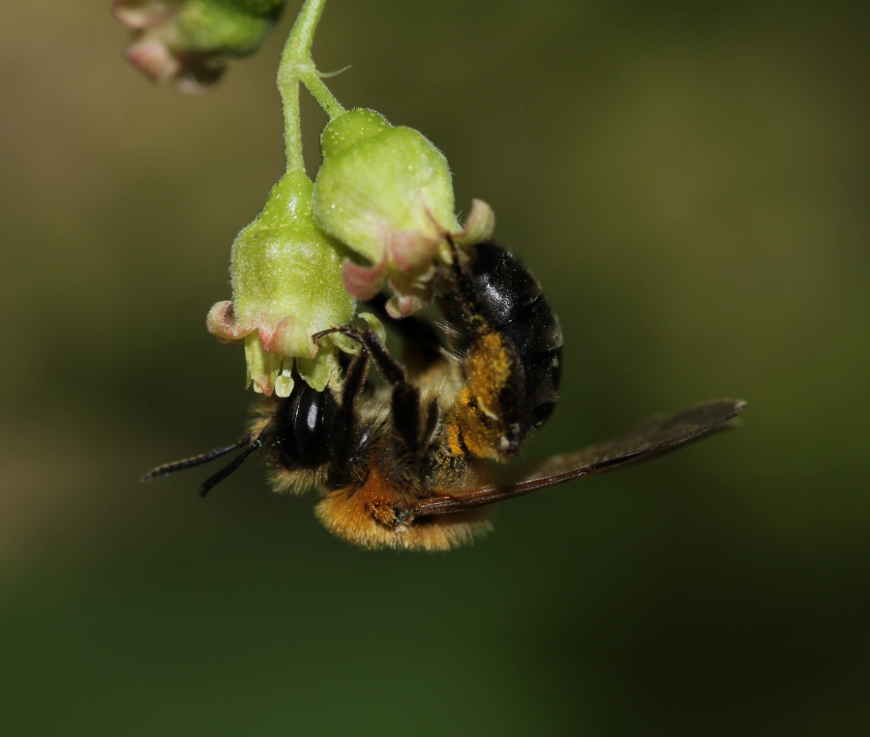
655	435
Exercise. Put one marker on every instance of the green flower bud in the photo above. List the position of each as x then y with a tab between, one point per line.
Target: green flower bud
287	286
386	192
190	40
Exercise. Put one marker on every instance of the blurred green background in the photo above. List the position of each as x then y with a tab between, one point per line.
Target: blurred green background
690	183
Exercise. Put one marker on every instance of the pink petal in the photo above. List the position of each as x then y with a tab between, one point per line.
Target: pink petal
263	385
221	323
364	282
292	337
479	225
141	15
405	305
411	251
154	60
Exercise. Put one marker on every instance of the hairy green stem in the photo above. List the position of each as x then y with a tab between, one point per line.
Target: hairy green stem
296	66
314	83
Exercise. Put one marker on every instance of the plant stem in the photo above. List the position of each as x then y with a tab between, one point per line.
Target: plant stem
296	66
314	83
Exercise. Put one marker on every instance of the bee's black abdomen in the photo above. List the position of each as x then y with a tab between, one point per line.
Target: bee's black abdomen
300	428
512	302
502	285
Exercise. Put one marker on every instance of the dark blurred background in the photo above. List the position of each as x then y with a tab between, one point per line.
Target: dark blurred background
689	181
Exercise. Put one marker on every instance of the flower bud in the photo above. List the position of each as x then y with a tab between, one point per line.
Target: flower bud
287	286
190	40
386	192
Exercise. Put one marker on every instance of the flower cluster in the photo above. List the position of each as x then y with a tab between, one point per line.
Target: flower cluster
379	215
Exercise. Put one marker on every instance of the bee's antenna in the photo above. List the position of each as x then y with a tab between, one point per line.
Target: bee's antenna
231	466
181	465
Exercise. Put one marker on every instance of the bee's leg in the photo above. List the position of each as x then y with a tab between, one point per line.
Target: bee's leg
343	422
405	402
422	346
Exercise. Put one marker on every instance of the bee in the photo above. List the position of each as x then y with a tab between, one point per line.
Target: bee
409	465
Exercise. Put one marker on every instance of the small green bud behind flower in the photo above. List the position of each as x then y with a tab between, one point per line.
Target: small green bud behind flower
190	40
287	286
386	192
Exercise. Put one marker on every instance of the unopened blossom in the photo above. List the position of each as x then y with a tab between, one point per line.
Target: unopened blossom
189	41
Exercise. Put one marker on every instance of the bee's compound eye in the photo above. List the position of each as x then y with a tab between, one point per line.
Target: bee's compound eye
299	436
308	426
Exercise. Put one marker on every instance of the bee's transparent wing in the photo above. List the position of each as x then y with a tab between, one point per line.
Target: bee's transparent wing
656	435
